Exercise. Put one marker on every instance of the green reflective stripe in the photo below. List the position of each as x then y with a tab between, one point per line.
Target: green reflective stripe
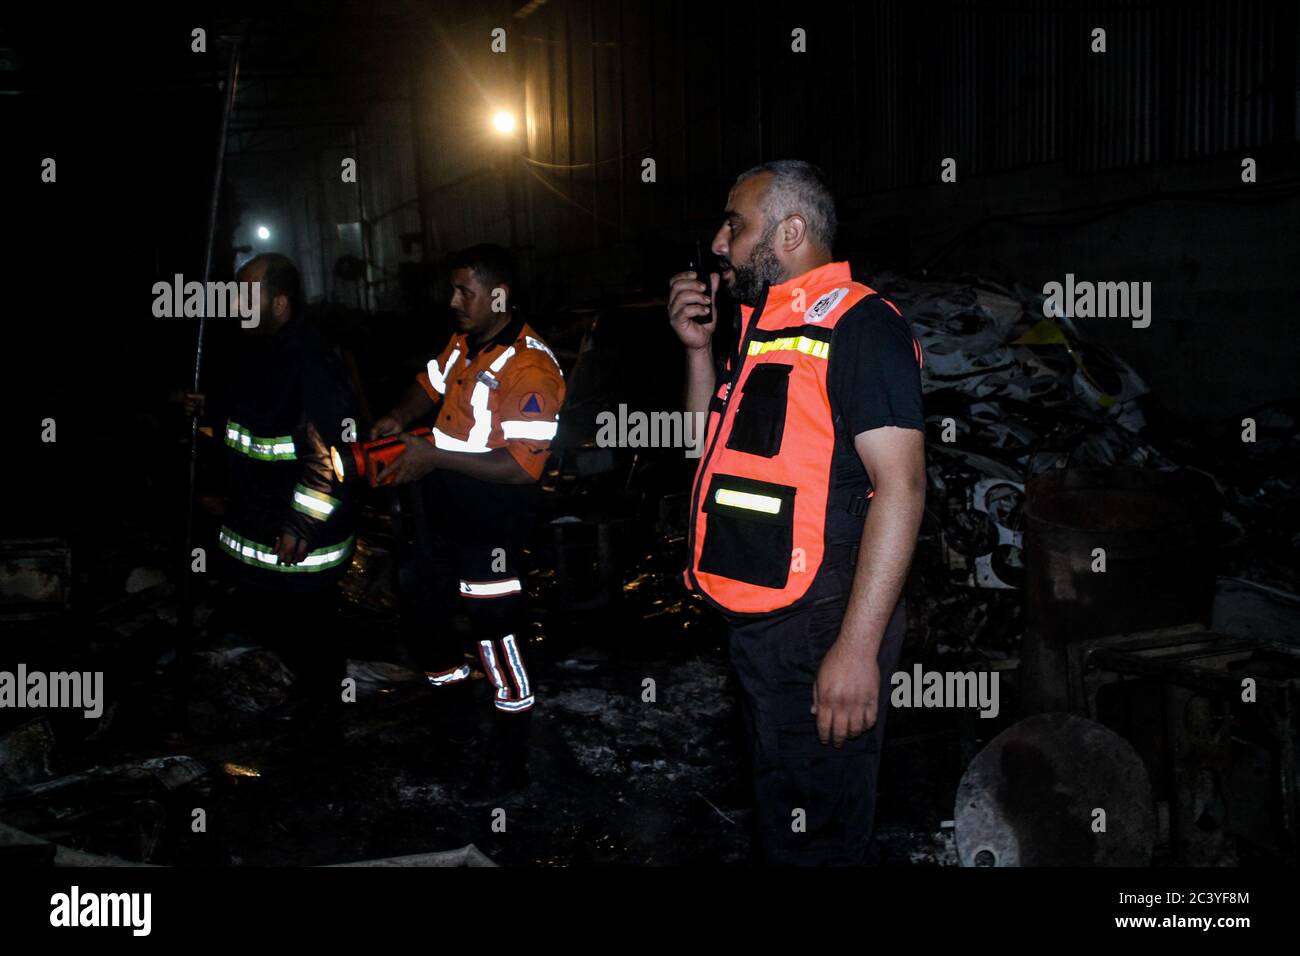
750	502
261	555
794	343
314	503
279	448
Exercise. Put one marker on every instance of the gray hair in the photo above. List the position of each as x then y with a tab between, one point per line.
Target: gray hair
798	188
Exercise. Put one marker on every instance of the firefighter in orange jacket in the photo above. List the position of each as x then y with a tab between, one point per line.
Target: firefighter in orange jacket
497	390
806	504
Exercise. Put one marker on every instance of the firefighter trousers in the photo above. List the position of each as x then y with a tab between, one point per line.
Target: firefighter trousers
815	804
472	563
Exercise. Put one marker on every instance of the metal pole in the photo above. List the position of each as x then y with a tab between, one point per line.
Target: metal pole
185	617
417	153
364	283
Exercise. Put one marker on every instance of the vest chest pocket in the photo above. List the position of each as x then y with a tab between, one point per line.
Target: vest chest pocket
750	532
759	423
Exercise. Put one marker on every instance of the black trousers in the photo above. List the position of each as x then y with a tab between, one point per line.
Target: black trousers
776	659
473	563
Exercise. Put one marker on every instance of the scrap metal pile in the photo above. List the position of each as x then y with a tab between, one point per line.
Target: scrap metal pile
1011	393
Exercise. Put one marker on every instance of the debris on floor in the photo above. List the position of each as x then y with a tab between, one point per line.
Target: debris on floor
638	755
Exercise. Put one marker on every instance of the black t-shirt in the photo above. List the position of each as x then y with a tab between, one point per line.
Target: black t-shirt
874	380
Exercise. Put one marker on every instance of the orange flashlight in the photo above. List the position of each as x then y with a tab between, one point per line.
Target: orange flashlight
369	458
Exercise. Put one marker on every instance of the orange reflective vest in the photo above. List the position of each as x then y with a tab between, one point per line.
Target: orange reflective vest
761	498
506	395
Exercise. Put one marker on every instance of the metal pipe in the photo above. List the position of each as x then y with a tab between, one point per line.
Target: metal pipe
417	156
365	226
185	611
595	125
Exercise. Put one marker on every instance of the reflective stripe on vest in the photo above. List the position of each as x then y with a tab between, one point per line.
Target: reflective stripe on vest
262	556
279	448
533	343
438	376
476	442
797	343
759	504
752	502
536	430
451	443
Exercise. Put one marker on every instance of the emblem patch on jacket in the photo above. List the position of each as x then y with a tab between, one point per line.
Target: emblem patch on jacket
823	306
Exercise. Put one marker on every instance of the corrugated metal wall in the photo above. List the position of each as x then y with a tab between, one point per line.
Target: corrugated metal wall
386	165
884	92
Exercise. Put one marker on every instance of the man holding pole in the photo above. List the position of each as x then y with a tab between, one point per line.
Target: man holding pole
287	534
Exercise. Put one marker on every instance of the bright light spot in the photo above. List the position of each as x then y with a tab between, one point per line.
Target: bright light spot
503	121
263	232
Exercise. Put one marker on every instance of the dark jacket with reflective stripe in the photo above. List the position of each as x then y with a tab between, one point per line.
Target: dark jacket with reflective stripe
287	410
